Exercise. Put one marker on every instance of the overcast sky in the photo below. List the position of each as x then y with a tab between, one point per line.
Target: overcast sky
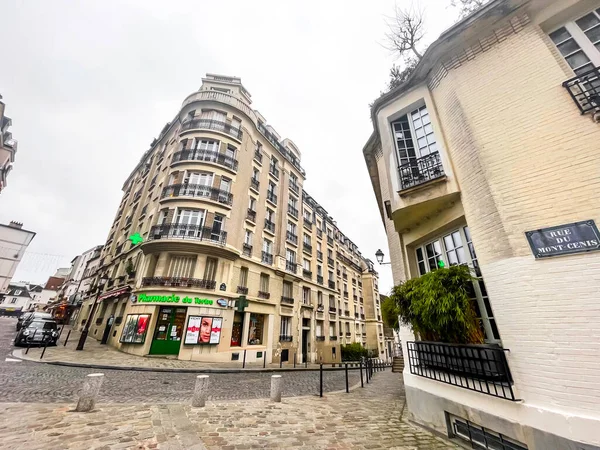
90	84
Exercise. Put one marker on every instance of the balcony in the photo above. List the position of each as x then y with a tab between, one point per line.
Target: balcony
307	273
355	297
320	338
269	226
331	284
348	334
179	282
258	156
333	338
242	290
194	232
254	184
267	258
345	294
287	300
319	255
215	125
272	197
285	338
291	266
274	171
294	188
479	368
308	223
320	308
330	262
251	215
421	170
332	309
247	249
359	284
584	89
198	191
347	313
320	279
206	156
264	295
329	240
356	315
362	316
307	248
345	276
292	211
291	237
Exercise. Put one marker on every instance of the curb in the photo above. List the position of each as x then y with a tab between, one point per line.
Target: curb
181	370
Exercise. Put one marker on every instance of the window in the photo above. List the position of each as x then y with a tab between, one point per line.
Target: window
329	253
230	151
273	164
330	275
268	247
319	328
271	188
252	204
217	227
206	145
225	184
319	298
270	216
290	255
331	301
243	277
210	270
18	292
293	202
285	329
201	178
307	240
293	179
414	137
579	42
190	217
332	329
306	264
482	438
288	289
248	237
255	174
14	300
213	115
306	295
257	322
264	282
455	253
291	228
182	266
136	326
307	215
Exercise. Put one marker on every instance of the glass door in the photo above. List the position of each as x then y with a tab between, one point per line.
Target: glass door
168	331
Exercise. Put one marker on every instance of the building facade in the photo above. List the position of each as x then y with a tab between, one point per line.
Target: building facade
14	240
15	300
488	156
217	251
8	146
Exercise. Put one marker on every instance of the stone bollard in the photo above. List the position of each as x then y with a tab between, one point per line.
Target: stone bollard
89	393
200	391
276	386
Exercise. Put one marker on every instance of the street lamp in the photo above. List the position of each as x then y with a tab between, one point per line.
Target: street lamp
379	255
101	282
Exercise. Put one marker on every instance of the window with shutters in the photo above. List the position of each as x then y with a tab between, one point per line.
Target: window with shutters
210	270
182	266
243	277
264	282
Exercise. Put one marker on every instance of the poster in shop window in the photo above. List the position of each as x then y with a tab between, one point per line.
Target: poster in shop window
203	330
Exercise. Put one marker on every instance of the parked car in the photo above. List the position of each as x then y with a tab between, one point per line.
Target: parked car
28	317
37	331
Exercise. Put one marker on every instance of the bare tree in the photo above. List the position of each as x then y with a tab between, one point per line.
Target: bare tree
406	30
467	6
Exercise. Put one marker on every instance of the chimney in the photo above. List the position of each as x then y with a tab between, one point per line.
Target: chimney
14	224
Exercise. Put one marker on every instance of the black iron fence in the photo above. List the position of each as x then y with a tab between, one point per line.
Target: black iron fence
479	368
216	125
198	190
421	170
206	156
180	231
179	281
584	89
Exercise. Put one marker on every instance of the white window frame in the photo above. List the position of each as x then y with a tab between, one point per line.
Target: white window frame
285	328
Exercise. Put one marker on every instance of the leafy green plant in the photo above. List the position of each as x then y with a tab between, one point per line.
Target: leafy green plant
438	306
353	352
389	312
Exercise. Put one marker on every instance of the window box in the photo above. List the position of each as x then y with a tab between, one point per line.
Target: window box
320	338
265	295
285	338
242	290
287	300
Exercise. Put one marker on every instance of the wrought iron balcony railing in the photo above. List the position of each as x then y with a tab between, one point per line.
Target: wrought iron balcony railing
198	191
329	240
330	262
258	156
206	156
216	125
269	226
420	170
180	231
319	255
332	309
307	248
306	273
285	338
263	294
179	282
480	368
584	89
320	338
320	279
291	266
272	197
308	223
292	211
274	171
287	300
331	284
294	188
291	237
247	249
267	258
242	290
254	183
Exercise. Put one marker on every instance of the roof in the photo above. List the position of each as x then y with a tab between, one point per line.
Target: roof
22	291
54	283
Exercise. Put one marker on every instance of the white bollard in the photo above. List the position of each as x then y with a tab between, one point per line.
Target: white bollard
89	393
276	386
200	391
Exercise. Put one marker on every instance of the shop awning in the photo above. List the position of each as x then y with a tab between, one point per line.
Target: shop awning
115	293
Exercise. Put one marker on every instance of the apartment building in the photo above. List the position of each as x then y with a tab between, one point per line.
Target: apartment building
8	146
14	240
488	156
218	253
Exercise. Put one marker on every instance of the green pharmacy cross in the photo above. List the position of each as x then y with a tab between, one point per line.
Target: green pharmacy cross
242	303
136	239
441	264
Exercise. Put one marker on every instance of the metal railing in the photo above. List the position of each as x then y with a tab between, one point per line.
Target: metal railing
331	284
242	290
274	171
291	266
308	223
332	309
216	125
320	255
293	238
285	338
254	183
269	226
320	279
287	300
247	249
479	368
179	231
179	282
330	262
272	197
420	170
265	295
267	258
329	240
306	273
198	190
294	188
292	211
206	156
258	156
251	215
584	89
307	248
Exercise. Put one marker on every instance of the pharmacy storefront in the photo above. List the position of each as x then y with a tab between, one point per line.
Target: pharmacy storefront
194	328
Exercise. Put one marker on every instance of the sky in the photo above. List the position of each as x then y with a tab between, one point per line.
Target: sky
89	84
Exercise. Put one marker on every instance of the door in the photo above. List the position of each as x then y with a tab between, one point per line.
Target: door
305	338
168	331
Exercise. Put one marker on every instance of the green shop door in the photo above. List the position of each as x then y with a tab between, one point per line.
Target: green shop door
169	331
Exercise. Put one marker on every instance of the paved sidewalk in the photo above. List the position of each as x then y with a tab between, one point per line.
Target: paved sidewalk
366	418
96	355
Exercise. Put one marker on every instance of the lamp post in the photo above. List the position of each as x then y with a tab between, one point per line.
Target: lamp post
379	255
101	282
